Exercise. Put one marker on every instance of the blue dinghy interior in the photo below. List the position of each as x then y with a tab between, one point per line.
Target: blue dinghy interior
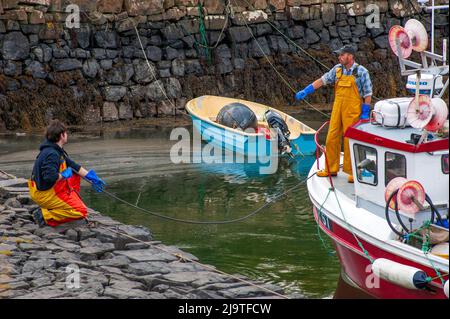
205	111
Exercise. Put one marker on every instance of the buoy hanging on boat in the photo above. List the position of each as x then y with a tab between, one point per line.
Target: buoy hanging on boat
398	33
411	197
417	35
446	288
399	274
391	187
412	37
419	112
440	112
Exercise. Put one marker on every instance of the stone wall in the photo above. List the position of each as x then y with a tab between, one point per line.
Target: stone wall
97	72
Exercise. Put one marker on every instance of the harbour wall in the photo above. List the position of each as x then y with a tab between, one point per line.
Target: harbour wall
82	61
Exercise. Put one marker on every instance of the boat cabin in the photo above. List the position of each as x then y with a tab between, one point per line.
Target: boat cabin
380	153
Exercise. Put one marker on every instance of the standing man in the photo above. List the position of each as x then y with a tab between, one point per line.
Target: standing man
352	97
55	181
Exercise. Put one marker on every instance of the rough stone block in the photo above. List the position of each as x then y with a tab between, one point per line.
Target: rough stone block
110	112
250	17
109	6
299	13
36	17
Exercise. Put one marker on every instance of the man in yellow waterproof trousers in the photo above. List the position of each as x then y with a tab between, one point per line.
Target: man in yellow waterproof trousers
55	181
352	97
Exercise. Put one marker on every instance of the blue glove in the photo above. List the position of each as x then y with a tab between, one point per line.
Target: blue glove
67	173
365	111
300	95
97	184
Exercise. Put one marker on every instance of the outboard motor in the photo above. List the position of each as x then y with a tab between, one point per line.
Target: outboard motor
276	122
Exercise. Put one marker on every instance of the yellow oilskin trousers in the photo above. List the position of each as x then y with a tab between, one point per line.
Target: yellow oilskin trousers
61	203
346	112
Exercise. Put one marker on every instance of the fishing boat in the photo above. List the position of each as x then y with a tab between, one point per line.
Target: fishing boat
274	127
390	228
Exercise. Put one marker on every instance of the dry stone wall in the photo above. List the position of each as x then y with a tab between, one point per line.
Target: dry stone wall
97	72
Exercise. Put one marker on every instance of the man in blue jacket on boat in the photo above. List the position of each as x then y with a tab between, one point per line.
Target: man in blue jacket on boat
353	94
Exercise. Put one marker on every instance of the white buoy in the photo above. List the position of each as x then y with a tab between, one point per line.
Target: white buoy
446	288
399	274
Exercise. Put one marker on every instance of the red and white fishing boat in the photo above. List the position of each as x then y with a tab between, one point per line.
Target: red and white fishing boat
400	156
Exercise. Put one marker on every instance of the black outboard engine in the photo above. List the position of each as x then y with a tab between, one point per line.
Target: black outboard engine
276	122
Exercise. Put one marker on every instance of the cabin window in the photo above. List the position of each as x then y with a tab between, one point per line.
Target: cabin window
394	165
366	164
444	162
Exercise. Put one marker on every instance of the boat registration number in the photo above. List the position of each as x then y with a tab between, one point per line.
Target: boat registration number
325	220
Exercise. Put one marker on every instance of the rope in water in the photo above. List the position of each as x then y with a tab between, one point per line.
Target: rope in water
159	215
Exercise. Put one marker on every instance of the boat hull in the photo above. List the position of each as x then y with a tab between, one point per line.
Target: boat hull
357	267
250	145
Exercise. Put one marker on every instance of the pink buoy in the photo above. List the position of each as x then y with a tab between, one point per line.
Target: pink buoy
391	187
417	34
398	32
440	112
419	113
411	197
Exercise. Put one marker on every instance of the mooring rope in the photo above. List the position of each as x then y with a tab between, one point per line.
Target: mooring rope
221	222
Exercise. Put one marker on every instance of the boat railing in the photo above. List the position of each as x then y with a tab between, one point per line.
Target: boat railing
322	148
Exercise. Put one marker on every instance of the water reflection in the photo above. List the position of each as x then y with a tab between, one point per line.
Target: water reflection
278	245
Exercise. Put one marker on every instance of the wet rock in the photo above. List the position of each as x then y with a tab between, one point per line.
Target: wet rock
67	245
72	234
173	90
28	247
149	254
36	265
146	268
83	35
172	32
155	92
15	46
143	73
66	65
13	203
134	246
116	261
259	48
120	75
114	93
90	68
382	42
106	39
36	70
239	34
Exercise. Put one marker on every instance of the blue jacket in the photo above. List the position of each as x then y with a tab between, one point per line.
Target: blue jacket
46	167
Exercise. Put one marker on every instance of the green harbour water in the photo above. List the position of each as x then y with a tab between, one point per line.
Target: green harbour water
278	245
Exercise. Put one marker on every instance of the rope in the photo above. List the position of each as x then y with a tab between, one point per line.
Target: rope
159	215
299	47
276	71
324	244
202	32
184	258
366	253
151	70
227	13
